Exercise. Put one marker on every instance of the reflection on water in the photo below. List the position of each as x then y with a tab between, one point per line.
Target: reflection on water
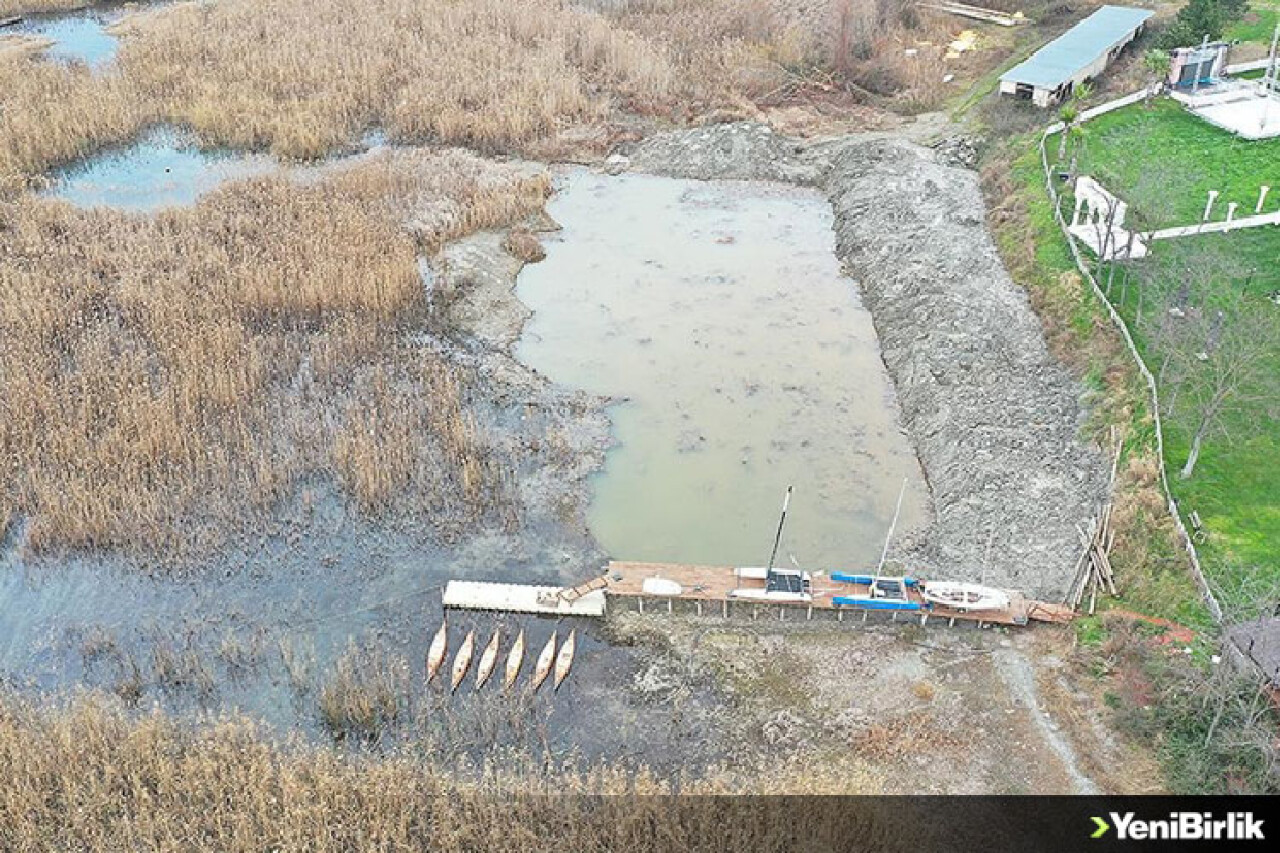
718	311
162	169
78	37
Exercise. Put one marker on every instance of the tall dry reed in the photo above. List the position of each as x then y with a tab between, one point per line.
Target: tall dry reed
10	8
86	776
165	379
52	114
303	77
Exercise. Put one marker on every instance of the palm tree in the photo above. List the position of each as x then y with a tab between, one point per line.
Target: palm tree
1069	114
1157	63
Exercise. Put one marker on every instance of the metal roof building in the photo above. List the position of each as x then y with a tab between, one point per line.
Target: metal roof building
1081	53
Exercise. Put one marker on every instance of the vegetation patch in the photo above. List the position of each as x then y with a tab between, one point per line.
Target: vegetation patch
168	379
1199	312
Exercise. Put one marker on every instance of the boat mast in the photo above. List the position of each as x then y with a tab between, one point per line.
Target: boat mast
786	501
887	539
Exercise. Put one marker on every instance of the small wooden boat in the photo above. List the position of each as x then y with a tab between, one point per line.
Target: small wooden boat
515	659
439	647
488	660
964	596
545	658
564	660
462	662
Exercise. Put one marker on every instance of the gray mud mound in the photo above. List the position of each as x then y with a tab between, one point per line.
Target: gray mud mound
740	151
995	419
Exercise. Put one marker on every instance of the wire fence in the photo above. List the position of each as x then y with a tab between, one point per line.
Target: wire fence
1188	543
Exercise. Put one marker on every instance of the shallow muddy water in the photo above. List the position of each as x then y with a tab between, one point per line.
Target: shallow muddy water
75	37
745	361
162	169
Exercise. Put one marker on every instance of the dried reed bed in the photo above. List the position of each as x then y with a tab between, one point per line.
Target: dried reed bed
54	113
86	776
164	379
9	8
303	77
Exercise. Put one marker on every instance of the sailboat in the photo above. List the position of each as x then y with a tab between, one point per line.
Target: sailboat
462	662
791	585
515	659
435	654
564	660
545	658
488	660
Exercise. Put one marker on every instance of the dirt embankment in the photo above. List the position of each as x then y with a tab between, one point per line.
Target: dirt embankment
996	421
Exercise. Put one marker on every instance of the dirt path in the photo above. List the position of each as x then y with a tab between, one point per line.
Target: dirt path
1019	676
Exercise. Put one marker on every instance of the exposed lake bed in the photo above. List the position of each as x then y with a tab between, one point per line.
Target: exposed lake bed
685	350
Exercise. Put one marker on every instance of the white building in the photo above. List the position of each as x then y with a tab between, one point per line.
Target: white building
1081	53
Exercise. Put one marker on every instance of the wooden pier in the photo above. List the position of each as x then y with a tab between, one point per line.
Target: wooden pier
525	598
715	586
727	591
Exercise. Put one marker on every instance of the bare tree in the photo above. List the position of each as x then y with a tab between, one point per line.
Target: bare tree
1223	355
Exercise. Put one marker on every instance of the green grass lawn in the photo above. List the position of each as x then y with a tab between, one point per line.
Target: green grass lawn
1259	23
1163	161
1236	486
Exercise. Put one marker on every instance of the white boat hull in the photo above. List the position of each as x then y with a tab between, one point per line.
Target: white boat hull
772	595
515	659
964	596
488	660
564	660
462	662
439	648
545	659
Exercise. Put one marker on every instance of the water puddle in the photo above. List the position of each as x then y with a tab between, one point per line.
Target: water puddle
162	169
76	37
719	313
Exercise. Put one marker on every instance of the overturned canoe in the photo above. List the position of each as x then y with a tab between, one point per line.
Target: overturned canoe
964	596
545	659
564	660
488	660
462	662
435	654
515	659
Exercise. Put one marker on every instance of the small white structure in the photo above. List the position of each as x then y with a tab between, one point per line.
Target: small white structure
1248	108
1098	222
521	598
1193	67
1081	53
1243	108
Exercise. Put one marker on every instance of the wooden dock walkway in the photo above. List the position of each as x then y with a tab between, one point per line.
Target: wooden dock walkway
524	598
728	591
716	584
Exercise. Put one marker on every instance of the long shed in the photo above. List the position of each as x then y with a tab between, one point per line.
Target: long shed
1081	53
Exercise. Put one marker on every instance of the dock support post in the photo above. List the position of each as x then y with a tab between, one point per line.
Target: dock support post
864	616
755	611
893	617
809	616
724	606
951	623
668	607
699	606
641	603
924	618
782	613
839	615
979	624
